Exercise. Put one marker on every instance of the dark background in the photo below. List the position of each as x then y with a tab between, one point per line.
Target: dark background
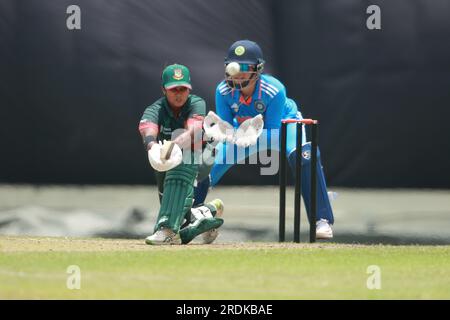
71	100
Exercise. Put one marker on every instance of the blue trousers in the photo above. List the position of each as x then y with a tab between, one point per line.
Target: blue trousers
228	155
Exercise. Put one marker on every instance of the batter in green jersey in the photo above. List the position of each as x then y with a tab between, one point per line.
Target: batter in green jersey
171	129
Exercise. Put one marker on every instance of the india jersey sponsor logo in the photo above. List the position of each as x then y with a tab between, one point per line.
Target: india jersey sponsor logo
235	107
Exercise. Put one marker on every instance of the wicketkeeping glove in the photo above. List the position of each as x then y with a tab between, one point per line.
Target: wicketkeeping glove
249	131
217	129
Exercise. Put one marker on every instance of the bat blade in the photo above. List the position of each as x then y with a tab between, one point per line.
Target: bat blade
166	150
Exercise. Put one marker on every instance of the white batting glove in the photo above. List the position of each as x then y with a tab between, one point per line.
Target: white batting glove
249	131
161	165
217	129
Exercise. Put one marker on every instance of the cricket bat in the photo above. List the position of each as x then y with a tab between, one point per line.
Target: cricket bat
166	150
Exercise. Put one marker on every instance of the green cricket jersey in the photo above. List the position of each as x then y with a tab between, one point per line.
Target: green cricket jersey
159	115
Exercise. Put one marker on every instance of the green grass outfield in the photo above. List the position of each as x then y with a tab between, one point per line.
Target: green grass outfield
36	268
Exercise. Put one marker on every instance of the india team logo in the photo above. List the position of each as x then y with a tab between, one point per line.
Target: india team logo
178	74
239	51
260	106
306	154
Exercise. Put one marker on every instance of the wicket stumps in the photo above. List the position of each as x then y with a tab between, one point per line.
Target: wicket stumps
298	177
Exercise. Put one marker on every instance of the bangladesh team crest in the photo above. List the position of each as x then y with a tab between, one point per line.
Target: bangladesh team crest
178	74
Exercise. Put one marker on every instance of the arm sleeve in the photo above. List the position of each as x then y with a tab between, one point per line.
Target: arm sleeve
198	107
275	111
223	110
197	113
150	118
151	114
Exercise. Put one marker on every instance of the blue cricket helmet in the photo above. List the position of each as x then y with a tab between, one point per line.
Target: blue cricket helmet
245	52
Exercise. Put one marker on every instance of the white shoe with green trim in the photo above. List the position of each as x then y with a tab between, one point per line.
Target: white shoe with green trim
163	236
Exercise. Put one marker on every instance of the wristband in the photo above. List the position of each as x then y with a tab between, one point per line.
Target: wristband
148	140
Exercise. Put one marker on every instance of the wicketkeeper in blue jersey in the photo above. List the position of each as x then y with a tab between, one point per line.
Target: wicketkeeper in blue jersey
248	101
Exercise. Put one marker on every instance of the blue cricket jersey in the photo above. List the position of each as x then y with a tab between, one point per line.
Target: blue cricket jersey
268	99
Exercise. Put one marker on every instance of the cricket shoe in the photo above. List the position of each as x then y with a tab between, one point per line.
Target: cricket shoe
323	229
208	237
163	236
198	227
